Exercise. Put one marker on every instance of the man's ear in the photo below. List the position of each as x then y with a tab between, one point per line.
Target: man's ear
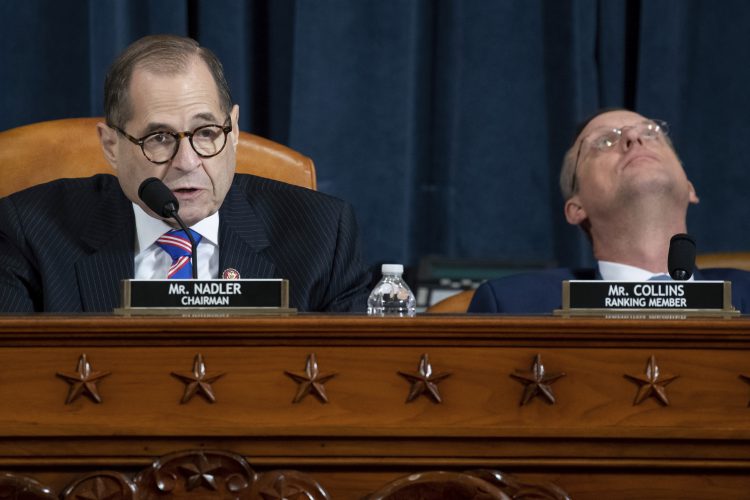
235	118
692	195
574	212
108	140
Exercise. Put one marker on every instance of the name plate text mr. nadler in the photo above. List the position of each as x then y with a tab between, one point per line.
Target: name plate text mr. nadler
184	294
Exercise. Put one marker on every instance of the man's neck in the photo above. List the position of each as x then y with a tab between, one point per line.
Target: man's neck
639	236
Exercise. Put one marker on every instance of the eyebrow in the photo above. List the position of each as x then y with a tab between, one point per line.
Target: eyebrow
152	127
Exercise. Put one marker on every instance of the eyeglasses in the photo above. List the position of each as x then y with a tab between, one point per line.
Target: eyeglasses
605	139
160	147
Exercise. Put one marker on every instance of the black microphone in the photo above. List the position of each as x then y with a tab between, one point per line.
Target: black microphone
681	260
157	196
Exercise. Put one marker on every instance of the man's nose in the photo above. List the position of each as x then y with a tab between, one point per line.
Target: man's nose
630	135
186	157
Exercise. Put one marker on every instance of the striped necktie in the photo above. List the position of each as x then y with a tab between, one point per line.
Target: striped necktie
177	245
660	277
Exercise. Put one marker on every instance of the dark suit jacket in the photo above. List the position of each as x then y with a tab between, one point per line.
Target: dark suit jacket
539	292
65	245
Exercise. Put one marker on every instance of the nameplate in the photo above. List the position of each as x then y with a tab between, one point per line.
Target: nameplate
168	296
596	296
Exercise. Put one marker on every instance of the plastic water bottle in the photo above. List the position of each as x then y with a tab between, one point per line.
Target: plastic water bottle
392	296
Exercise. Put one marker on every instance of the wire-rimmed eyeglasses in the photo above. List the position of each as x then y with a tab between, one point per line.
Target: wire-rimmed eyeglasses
161	146
605	139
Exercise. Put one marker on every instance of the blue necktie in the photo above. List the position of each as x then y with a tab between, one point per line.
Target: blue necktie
177	245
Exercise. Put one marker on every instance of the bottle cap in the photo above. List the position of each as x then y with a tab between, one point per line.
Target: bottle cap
392	269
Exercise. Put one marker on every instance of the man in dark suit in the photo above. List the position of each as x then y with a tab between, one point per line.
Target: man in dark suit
624	185
65	245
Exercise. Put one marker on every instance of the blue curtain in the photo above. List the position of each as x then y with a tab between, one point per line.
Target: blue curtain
444	123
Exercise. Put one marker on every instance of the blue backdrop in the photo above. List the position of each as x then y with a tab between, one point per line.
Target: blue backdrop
444	123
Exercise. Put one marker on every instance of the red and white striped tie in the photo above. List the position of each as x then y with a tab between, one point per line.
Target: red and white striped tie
177	245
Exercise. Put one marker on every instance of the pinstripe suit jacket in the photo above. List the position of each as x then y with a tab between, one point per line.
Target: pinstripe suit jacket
65	245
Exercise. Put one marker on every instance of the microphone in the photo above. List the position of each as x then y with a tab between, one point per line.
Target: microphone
157	196
681	259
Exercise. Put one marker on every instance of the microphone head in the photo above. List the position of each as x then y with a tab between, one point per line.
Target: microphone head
681	260
157	196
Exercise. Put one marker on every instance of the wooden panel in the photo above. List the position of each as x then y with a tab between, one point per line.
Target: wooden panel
254	396
594	438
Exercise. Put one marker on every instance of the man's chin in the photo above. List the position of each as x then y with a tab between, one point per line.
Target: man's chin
195	206
193	215
191	220
652	185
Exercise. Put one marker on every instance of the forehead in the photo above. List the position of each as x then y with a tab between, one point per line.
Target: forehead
192	85
612	119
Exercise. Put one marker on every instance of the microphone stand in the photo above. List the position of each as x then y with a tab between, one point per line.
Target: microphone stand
171	209
680	275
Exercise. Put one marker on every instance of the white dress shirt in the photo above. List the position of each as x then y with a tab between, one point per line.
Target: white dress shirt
152	262
613	271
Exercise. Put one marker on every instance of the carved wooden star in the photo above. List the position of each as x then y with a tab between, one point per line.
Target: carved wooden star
202	473
424	382
282	490
654	383
310	382
537	382
198	382
83	382
746	378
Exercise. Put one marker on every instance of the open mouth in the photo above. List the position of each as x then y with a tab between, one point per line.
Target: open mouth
185	194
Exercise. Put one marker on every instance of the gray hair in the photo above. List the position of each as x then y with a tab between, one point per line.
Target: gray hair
160	54
567	172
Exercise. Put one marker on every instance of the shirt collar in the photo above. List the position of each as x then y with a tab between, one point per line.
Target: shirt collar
614	271
148	229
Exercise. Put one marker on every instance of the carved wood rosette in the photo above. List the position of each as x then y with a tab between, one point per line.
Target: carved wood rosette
439	485
18	487
196	474
83	382
653	383
287	485
311	381
424	382
518	488
198	381
537	382
104	485
475	485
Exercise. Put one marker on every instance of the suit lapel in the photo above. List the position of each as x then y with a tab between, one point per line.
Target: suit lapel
109	235
243	237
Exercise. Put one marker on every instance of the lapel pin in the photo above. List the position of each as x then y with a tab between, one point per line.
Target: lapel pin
230	274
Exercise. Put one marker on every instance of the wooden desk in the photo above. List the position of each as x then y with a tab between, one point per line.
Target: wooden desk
594	441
